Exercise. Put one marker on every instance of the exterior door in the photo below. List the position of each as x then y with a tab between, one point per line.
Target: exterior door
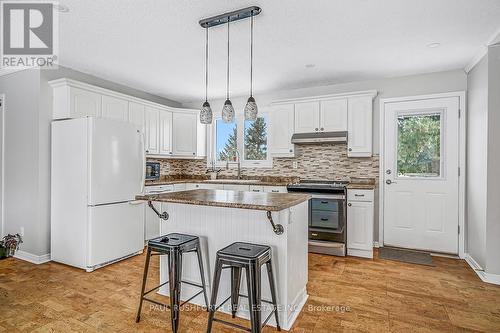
421	193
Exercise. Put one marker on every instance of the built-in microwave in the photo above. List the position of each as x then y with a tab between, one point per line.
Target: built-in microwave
152	170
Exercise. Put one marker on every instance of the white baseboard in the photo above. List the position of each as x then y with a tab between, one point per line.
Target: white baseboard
32	258
484	276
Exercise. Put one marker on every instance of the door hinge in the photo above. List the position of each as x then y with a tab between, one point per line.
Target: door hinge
459	230
459	113
458	171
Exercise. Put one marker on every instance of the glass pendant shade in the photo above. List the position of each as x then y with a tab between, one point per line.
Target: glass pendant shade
206	114
228	112
251	109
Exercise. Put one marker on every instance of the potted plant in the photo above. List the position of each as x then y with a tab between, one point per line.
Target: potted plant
9	245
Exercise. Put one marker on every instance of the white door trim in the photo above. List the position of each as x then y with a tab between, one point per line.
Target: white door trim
462	160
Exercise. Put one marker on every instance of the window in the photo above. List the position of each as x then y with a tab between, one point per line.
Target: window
249	138
226	142
419	145
256	139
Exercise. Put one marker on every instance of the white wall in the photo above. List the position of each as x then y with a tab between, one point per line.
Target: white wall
493	195
21	204
483	186
477	153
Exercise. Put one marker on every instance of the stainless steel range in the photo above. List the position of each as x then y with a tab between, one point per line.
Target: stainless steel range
327	215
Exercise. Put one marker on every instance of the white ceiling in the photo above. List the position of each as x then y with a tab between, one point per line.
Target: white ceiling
157	45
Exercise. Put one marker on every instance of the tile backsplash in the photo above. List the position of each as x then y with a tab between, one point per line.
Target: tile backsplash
323	161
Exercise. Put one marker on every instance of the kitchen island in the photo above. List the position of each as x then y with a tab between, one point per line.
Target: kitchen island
220	218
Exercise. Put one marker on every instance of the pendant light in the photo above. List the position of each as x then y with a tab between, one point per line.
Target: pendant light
228	110
251	109
206	114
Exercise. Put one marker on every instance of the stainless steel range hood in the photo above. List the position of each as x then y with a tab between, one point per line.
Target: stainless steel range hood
320	137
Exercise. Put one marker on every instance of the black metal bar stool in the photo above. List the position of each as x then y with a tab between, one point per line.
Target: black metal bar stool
251	257
174	245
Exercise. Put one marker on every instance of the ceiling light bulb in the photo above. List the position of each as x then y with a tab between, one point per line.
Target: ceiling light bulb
206	114
228	112
251	109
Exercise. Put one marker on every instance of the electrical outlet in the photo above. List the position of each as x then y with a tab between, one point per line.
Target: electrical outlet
21	232
295	164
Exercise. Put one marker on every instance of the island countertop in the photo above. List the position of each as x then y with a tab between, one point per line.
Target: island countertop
232	199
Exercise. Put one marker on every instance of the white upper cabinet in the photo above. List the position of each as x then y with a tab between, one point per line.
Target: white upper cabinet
351	112
359	126
165	133
152	130
333	115
281	130
184	141
83	103
307	117
114	108
136	114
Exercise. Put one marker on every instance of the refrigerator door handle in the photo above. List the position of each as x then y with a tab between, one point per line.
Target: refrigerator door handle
143	178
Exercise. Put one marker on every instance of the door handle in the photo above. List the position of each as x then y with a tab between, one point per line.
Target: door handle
389	182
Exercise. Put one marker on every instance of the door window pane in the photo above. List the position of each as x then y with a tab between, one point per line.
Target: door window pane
226	142
419	145
256	139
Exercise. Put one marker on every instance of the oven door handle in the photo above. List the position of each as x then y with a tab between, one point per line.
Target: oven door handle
328	196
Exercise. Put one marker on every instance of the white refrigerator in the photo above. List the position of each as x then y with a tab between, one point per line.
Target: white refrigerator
97	170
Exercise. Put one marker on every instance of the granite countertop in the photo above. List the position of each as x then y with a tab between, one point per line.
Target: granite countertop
362	184
231	199
263	181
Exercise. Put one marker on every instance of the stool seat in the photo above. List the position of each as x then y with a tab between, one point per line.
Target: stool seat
244	250
170	241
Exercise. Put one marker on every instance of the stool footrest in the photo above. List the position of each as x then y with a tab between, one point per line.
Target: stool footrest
198	293
262	300
243	328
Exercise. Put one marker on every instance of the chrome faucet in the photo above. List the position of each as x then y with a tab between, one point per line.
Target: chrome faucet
239	163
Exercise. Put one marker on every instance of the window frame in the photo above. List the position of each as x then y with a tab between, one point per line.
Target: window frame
240	128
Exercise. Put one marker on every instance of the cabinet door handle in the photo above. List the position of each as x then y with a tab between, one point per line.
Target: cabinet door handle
324	219
322	129
313	234
275	191
349	204
291	150
316	129
324	202
359	195
350	149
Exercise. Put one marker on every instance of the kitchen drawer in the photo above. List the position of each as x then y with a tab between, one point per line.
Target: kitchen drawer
360	195
325	204
275	189
324	219
159	189
256	188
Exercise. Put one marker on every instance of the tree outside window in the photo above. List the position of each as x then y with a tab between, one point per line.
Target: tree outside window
253	138
256	140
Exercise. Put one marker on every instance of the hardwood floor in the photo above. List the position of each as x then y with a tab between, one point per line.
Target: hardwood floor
346	294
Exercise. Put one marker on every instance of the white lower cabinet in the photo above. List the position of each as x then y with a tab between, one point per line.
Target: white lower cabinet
233	187
275	189
360	214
